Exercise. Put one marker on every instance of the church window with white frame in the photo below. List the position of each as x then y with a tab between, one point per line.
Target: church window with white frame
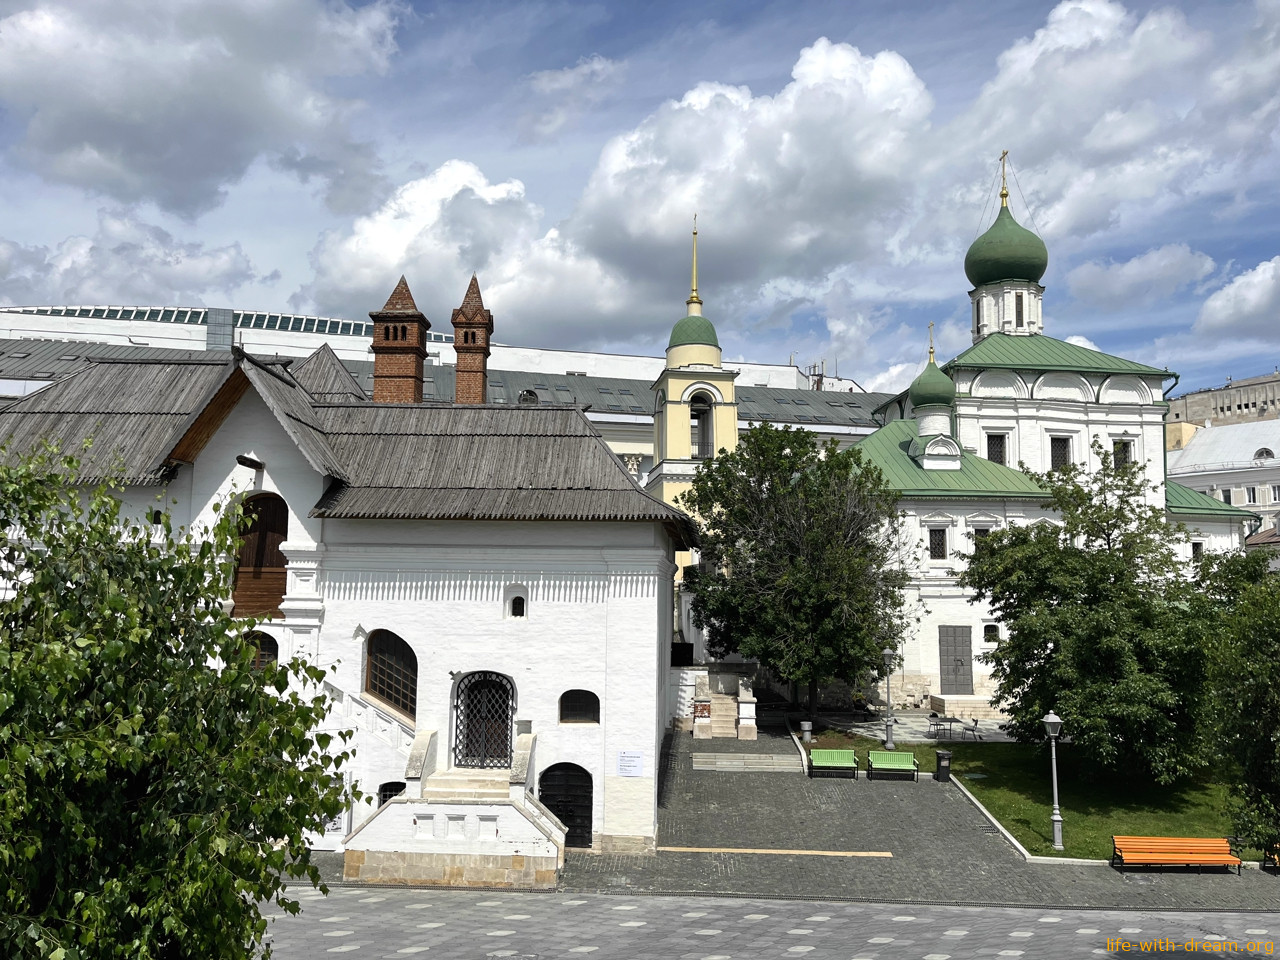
937	543
998	448
1121	452
391	672
515	601
1059	452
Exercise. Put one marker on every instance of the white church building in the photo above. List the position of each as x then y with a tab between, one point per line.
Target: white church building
487	585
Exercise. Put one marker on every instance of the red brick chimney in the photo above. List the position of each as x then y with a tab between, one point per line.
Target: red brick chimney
472	327
399	348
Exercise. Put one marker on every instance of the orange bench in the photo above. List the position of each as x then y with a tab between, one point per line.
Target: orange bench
1198	852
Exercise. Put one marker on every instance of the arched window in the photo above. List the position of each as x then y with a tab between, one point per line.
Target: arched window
260	566
1264	453
267	650
392	788
566	791
700	422
517	606
991	633
404	332
386	332
391	672
579	706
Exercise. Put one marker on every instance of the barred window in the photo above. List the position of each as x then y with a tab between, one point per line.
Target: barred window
391	671
1059	452
268	651
997	448
991	633
937	543
579	706
1197	549
1122	452
392	788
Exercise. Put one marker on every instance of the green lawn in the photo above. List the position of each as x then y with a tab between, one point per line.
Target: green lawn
1014	784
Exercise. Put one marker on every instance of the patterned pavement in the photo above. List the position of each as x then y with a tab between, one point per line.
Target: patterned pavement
391	924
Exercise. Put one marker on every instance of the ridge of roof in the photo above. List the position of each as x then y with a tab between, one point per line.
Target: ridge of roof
1037	351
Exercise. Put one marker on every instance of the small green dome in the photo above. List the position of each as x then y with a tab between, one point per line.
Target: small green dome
932	388
693	330
1006	251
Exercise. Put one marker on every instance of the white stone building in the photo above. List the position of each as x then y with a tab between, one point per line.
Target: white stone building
1235	463
952	442
488	586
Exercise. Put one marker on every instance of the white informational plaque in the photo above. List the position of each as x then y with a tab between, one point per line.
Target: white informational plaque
631	763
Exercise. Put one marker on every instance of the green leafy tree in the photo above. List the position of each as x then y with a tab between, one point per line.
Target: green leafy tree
155	785
800	566
1245	659
1098	627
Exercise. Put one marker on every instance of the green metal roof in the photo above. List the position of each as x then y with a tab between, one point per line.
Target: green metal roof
1183	501
888	449
1038	352
693	329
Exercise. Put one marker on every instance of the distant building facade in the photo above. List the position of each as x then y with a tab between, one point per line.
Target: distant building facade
1239	401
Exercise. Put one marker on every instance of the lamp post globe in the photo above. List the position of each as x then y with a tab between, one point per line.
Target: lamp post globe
889	655
1053	727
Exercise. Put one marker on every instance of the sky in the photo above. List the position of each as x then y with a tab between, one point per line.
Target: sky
302	154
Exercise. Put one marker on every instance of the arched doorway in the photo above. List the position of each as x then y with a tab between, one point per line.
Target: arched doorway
260	567
484	709
565	790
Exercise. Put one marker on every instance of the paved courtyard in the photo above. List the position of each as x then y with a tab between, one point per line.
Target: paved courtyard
940	848
391	924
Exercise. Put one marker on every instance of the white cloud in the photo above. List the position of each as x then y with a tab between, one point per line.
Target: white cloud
568	93
1248	306
1146	279
125	261
172	102
1080	341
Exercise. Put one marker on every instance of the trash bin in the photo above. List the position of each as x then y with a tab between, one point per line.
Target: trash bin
944	766
806	730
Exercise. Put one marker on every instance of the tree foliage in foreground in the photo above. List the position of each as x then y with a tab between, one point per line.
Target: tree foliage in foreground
1245	658
800	557
1105	624
154	785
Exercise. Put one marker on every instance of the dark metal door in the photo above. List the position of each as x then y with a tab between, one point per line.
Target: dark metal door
955	657
485	709
565	790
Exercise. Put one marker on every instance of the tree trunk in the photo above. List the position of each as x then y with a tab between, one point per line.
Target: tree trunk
813	699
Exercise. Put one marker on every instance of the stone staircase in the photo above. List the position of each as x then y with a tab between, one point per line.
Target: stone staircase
466	784
748	762
724	716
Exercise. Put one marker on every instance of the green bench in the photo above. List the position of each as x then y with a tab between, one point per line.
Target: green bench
833	763
894	760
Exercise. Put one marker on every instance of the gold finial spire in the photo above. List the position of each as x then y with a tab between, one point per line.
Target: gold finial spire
1004	183
931	341
694	302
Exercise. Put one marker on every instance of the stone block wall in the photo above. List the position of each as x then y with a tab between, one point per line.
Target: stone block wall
450	869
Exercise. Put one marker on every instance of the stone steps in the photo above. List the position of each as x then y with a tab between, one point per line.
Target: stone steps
468	785
748	762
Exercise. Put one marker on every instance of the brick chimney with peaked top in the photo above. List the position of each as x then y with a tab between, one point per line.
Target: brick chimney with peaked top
472	327
399	348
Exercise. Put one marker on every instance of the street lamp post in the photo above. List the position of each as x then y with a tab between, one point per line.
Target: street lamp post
1053	727
889	655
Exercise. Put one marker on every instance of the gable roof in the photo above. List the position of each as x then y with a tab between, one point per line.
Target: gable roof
1037	352
888	448
324	377
1183	501
134	413
488	462
1229	446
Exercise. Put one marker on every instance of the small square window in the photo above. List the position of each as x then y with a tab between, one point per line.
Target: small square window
1121	452
1197	549
937	543
981	533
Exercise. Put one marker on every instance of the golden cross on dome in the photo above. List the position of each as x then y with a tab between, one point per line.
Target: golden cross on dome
931	341
1004	183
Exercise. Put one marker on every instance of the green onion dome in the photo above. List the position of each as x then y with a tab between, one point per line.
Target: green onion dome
932	388
693	329
1007	251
